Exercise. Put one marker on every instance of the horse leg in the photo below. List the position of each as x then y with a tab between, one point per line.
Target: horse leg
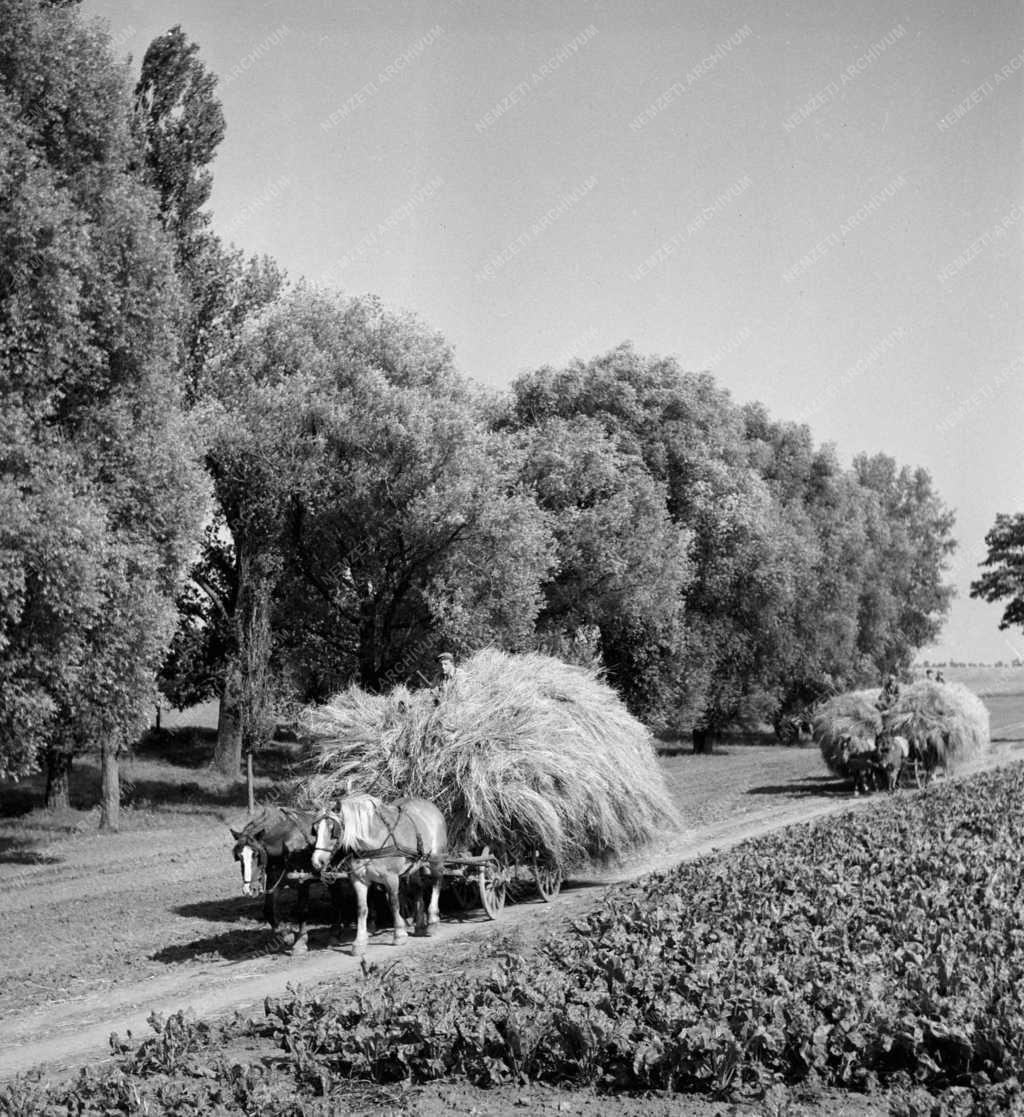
360	887
270	916
436	880
334	891
300	943
390	882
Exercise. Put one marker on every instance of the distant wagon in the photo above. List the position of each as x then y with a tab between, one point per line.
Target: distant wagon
938	725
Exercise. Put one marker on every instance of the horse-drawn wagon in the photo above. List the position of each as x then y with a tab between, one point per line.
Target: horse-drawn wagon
929	727
535	766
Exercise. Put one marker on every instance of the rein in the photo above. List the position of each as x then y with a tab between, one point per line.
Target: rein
392	850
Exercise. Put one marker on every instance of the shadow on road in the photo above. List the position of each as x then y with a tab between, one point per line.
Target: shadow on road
827	787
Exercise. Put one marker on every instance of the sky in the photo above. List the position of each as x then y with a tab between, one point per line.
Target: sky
820	202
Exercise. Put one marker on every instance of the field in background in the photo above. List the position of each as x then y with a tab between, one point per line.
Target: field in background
987	680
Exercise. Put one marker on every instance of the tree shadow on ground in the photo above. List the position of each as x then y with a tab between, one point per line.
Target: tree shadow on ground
17	851
193	747
158	794
829	787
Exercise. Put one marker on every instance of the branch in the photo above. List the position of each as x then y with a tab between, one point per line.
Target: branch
212	594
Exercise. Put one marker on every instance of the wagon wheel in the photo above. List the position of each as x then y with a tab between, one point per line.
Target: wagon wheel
492	881
548	878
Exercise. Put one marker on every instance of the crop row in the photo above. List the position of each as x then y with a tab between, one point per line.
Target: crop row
880	949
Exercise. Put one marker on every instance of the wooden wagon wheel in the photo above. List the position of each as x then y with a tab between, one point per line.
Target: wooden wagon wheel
548	878
492	881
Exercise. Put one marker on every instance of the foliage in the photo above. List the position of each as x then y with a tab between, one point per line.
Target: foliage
346	450
103	494
182	126
622	563
801	577
1004	580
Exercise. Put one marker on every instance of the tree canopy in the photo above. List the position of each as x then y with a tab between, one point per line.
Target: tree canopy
103	499
1004	580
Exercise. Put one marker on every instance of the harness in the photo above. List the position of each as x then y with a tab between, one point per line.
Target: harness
394	848
262	859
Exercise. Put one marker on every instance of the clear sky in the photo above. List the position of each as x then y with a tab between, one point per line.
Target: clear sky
822	202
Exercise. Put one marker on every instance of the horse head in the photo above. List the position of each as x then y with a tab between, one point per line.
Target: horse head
354	825
328	828
252	855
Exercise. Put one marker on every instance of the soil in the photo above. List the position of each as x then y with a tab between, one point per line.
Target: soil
98	931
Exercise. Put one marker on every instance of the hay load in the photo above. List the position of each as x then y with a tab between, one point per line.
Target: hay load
950	713
953	716
852	715
520	753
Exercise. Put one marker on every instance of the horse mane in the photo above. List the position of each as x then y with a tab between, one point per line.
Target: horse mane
358	813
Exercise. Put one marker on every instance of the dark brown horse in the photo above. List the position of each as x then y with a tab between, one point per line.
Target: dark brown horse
374	842
268	848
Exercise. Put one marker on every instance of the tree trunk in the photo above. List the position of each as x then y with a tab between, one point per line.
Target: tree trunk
703	741
58	779
249	783
227	755
110	800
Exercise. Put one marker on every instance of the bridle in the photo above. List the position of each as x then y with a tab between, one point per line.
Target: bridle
259	859
337	826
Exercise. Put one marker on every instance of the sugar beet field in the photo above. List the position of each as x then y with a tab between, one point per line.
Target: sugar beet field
863	953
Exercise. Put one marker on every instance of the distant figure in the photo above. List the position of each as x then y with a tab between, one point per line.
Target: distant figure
890	694
939	677
928	673
448	676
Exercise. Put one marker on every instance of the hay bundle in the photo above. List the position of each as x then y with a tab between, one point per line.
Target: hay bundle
852	715
521	753
955	716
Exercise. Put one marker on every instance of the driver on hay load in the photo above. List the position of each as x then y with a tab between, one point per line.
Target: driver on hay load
447	662
890	693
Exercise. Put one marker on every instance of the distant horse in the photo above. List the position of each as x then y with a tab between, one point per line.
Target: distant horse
929	752
892	752
376	842
269	847
861	761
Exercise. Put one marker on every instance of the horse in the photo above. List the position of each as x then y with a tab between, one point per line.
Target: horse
374	842
268	848
928	752
861	761
892	752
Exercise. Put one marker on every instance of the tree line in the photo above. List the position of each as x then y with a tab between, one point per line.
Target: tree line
233	485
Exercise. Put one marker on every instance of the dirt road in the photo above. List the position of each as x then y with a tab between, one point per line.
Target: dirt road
112	929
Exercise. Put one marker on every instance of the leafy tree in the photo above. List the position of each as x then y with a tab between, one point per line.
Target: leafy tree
622	564
182	126
105	499
691	439
1004	581
363	493
904	600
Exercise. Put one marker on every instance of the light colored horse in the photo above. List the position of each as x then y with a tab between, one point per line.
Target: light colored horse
375	842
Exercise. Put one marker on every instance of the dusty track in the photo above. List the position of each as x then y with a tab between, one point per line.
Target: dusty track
117	928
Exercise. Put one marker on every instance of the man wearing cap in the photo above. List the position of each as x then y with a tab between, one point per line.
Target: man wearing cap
448	672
